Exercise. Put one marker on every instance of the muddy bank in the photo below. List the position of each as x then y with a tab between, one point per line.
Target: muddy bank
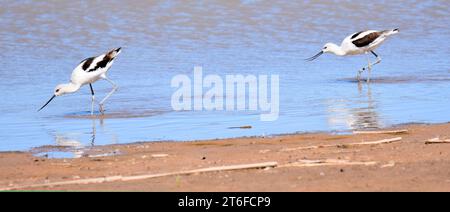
402	161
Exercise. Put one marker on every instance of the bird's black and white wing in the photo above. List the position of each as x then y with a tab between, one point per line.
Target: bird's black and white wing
94	64
365	38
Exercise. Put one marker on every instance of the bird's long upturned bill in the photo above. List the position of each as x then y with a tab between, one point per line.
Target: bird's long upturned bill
47	102
315	56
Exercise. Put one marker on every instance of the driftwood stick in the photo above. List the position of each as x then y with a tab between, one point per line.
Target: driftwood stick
384	141
381	132
308	147
147	176
326	162
437	141
197	171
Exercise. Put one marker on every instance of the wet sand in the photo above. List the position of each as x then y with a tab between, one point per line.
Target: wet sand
406	165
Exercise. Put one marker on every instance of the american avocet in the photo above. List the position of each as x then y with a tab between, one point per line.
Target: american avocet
358	43
87	72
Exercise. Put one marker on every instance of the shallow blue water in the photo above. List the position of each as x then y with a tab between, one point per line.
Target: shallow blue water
43	41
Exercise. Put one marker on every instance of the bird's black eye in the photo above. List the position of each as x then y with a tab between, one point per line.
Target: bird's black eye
57	90
325	47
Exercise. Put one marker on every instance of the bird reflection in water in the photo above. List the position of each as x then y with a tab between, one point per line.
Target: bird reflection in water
358	113
75	145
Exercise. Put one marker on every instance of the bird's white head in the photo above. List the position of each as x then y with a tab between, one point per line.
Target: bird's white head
61	90
330	48
327	48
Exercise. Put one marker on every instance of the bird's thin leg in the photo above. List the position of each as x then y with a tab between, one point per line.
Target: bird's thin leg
378	58
109	94
358	77
370	65
369	69
377	61
93	99
360	71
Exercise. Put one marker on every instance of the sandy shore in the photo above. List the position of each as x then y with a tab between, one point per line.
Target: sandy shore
329	163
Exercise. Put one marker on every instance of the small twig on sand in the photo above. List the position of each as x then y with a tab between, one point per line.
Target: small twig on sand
326	162
381	132
437	141
390	164
147	176
241	127
384	141
160	155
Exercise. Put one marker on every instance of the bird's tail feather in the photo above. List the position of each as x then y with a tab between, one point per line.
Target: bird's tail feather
391	32
113	53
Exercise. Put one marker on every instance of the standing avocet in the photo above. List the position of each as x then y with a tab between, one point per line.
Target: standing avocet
358	43
89	71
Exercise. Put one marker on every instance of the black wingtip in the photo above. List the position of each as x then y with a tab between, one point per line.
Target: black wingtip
118	49
396	30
